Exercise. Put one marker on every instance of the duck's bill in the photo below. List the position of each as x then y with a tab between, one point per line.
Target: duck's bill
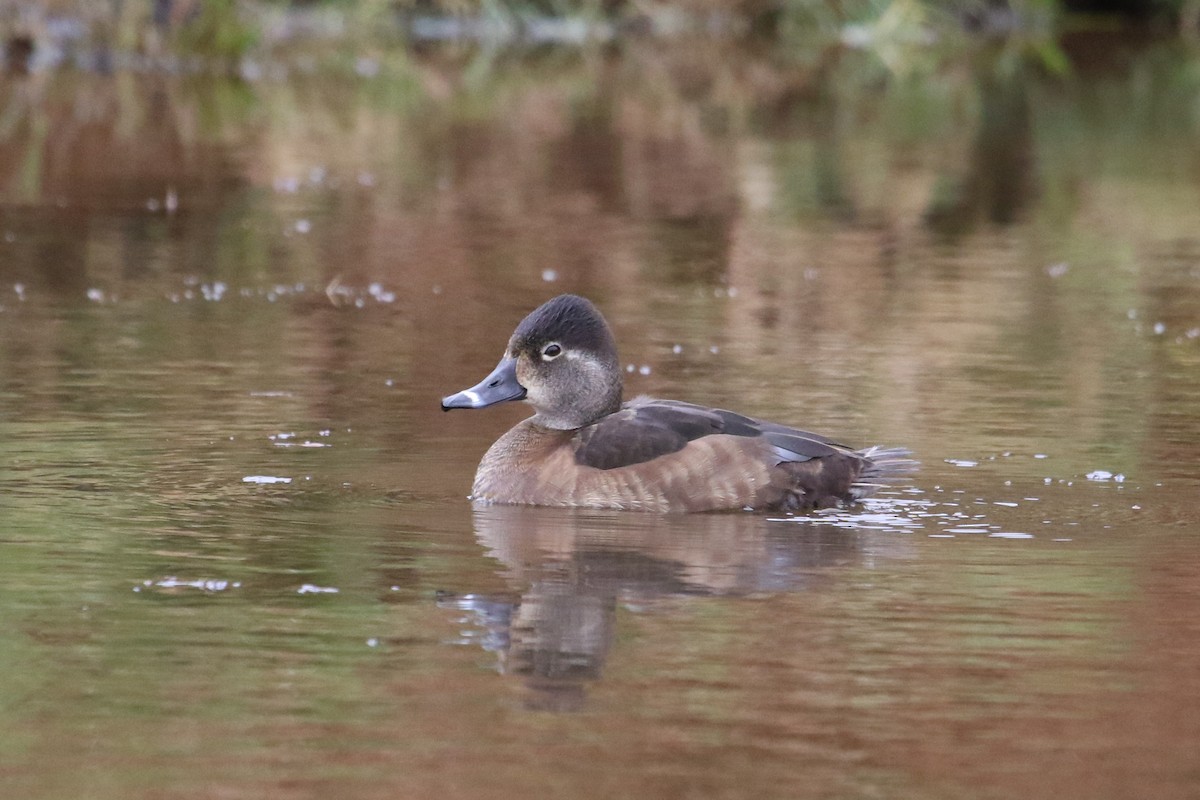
498	387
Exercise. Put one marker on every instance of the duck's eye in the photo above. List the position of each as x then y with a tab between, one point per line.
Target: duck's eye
551	352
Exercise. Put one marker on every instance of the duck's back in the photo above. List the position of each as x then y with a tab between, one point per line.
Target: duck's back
663	455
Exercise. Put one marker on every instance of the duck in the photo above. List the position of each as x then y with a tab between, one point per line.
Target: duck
587	447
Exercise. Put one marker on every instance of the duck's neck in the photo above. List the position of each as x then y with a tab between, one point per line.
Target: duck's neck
588	400
513	463
574	420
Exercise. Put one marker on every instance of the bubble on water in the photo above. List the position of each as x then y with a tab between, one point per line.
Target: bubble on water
644	369
380	294
250	70
372	642
1160	328
203	584
366	67
305	443
1058	270
1010	535
265	479
961	462
95	295
214	291
303	226
677	349
309	588
549	275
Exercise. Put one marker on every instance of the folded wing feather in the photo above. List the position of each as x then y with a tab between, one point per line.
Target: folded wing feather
647	428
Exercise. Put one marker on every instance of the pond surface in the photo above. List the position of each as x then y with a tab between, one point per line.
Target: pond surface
236	555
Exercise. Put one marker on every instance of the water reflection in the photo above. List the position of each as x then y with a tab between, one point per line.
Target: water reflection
996	184
996	268
573	572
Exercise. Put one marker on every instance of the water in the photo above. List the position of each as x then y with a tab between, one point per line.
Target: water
236	558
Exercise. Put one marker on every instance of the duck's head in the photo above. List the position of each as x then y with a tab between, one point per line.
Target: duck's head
562	360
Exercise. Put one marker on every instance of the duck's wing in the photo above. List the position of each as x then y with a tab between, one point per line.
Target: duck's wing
646	429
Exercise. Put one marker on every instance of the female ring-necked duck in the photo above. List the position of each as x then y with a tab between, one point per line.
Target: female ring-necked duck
583	447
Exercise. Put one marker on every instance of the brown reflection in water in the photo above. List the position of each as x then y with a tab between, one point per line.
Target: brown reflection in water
1170	283
573	570
87	155
1161	723
1117	718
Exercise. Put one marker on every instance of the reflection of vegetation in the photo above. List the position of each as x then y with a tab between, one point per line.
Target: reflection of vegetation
906	35
733	167
215	28
897	272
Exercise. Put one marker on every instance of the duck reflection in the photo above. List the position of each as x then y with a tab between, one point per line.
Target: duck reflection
570	570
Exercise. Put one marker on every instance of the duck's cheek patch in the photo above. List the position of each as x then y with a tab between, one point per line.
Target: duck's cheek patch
524	373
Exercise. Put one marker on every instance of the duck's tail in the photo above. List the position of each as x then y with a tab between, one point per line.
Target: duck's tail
886	466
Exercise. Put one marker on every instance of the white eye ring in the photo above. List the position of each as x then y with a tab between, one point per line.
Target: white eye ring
551	351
